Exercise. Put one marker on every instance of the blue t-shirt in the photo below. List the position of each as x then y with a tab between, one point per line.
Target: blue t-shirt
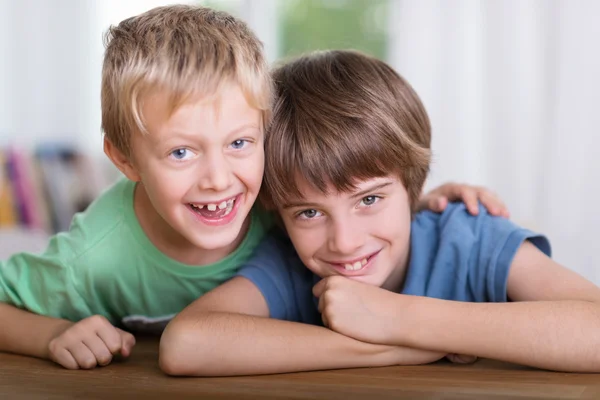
454	256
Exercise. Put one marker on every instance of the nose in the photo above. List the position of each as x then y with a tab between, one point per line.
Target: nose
345	237
216	173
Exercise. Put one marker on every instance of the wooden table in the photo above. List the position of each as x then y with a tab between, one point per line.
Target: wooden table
140	377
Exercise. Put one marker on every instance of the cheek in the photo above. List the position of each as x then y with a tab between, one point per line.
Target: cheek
250	170
392	225
306	242
164	186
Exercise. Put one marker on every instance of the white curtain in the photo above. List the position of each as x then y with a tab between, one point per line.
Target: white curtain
513	91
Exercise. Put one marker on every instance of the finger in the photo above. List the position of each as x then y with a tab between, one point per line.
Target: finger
494	205
325	321
422	204
321	305
63	357
127	342
467	359
440	204
99	349
451	191
110	336
469	197
319	287
82	355
461	358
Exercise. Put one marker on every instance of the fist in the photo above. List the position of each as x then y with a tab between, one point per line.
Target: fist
363	312
90	342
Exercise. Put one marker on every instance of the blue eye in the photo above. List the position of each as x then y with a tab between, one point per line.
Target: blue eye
309	214
239	144
369	200
181	154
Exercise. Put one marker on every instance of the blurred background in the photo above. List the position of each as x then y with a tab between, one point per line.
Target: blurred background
512	88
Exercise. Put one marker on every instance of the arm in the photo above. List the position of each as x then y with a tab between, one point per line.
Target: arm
227	332
27	333
41	285
552	322
90	342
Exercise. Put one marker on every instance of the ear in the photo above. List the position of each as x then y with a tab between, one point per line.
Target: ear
121	161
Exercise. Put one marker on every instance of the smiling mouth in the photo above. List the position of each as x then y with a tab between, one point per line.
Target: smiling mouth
214	210
356	265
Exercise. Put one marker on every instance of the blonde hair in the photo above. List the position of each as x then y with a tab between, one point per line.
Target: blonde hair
186	51
341	117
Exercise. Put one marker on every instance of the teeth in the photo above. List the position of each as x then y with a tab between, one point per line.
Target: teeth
226	205
356	266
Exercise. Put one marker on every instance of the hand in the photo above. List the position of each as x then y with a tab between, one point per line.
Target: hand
437	199
363	312
410	356
89	343
461	359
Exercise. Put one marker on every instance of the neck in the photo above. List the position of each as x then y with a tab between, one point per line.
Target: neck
169	241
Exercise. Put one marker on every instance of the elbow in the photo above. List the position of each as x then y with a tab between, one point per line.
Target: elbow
171	354
181	353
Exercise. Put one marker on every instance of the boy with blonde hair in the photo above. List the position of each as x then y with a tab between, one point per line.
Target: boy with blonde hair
367	281
186	97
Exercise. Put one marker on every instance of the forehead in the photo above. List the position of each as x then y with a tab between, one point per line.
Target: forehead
225	109
310	193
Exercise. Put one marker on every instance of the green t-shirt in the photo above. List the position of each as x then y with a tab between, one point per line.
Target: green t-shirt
105	264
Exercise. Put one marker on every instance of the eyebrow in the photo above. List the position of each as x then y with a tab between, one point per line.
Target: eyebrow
192	136
244	128
358	194
371	189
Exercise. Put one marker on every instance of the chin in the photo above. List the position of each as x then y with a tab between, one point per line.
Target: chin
215	241
370	280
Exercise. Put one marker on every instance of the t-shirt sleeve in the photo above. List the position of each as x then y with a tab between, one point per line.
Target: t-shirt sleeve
271	268
499	241
42	283
490	244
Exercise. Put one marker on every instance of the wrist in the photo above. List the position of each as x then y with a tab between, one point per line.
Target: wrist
401	322
54	331
412	320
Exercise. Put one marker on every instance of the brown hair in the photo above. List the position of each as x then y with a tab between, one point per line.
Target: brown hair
341	117
185	50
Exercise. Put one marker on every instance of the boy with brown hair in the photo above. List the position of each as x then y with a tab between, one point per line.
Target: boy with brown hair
186	96
367	281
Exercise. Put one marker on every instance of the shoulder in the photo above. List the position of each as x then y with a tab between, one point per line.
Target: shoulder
113	200
459	256
262	220
274	254
106	226
277	271
111	204
456	224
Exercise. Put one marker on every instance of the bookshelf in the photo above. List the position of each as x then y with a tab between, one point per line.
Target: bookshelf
42	188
